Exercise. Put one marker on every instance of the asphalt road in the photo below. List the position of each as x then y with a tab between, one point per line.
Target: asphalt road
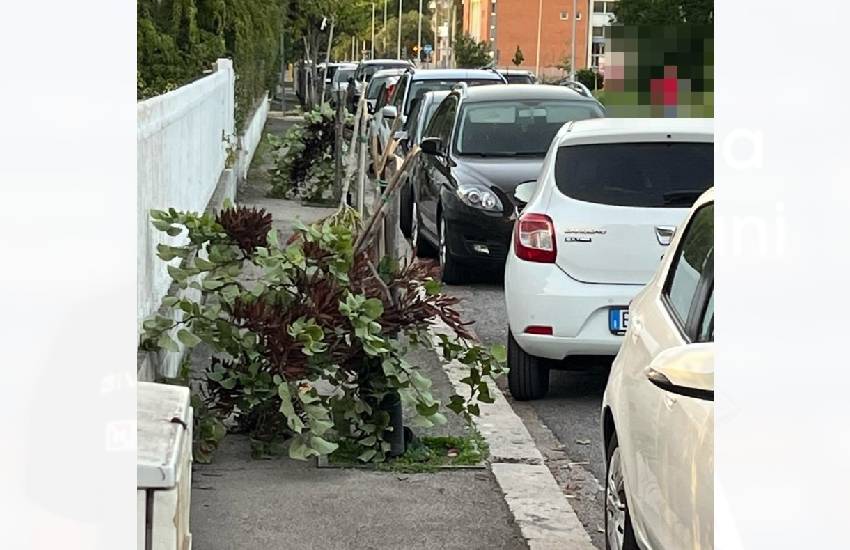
570	410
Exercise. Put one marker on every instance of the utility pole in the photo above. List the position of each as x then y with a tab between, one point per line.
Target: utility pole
385	26
539	26
573	47
452	24
398	46
419	37
373	30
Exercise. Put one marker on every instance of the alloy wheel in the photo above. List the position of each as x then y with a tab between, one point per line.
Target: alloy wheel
615	503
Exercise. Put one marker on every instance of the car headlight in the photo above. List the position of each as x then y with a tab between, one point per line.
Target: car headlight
479	196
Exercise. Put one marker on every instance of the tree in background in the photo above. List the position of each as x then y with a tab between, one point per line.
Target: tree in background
592	80
518	57
409	34
470	54
664	12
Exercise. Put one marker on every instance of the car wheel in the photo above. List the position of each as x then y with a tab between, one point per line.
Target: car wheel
528	377
420	244
453	273
618	523
405	217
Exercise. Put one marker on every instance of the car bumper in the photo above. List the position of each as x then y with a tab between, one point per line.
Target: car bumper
476	236
539	294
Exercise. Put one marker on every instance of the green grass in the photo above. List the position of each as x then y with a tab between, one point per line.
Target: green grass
426	454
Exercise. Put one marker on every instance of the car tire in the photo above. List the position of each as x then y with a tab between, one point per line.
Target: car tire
528	376
421	247
619	534
452	272
405	217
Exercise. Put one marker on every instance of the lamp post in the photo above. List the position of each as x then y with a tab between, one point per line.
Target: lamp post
385	26
419	36
573	47
398	46
373	30
539	25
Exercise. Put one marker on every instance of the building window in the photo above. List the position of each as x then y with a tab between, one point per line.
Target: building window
598	31
599	7
564	16
578	16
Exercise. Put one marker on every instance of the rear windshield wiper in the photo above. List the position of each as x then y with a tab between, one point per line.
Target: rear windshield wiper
686	196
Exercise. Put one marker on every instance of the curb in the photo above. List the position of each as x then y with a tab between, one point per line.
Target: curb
545	517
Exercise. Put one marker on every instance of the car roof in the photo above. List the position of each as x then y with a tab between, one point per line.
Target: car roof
388	72
436	95
614	130
386	62
441	74
513	72
522	91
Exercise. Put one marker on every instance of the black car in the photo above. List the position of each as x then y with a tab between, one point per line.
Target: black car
480	144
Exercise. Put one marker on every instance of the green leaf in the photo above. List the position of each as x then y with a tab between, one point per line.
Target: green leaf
367	455
373	308
499	353
427	410
165	342
419	382
322	446
187	338
228	383
299	450
484	392
456	404
432	287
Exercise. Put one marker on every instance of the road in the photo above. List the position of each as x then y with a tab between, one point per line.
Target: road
570	411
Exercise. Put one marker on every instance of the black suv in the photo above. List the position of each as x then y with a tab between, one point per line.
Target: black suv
480	144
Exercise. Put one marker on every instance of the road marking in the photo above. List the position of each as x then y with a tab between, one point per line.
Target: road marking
545	517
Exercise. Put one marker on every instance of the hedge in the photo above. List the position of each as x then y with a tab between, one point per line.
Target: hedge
178	39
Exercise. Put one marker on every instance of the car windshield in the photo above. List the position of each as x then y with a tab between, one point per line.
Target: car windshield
653	174
418	88
341	75
515	127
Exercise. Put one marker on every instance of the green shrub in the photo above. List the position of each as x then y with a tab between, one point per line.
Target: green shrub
589	79
178	39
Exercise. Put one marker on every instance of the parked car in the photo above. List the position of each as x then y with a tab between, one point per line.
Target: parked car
480	144
418	120
658	407
576	86
414	83
607	203
518	76
363	74
380	86
339	80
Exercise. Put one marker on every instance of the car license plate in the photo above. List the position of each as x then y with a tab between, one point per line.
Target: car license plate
618	320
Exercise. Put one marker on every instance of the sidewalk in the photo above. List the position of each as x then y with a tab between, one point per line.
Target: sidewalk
241	503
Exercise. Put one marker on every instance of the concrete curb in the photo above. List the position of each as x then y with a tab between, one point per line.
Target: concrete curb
541	510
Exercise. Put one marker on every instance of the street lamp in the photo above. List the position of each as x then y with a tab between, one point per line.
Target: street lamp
385	26
398	47
373	30
573	47
419	36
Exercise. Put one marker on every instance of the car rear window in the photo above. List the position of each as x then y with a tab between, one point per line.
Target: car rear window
649	174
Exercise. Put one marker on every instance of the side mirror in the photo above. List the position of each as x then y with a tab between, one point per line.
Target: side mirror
401	135
370	106
389	112
432	146
686	370
524	191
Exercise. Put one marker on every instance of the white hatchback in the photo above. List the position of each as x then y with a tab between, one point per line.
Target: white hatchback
658	407
607	202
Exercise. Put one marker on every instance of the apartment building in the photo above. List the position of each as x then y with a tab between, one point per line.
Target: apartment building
506	24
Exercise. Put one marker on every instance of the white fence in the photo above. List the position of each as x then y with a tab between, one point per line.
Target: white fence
181	148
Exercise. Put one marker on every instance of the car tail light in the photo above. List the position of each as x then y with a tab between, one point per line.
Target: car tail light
539	329
534	238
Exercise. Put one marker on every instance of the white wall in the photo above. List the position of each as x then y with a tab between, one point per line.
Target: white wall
181	155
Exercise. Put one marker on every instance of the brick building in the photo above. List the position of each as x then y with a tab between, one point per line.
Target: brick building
506	24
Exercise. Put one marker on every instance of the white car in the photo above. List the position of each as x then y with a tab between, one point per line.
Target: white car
603	211
658	408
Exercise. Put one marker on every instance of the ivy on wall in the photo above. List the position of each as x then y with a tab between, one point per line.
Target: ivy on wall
177	40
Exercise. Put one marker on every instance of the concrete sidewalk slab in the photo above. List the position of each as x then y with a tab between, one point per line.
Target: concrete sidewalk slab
244	504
